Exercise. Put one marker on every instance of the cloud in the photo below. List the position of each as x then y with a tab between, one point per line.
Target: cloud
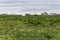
31	5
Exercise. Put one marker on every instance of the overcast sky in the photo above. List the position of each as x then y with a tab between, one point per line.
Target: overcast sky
29	5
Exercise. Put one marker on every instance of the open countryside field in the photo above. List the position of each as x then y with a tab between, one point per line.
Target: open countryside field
17	27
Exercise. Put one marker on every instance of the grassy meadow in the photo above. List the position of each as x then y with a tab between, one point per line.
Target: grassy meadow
41	27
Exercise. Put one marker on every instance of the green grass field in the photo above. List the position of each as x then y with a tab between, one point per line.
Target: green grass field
16	27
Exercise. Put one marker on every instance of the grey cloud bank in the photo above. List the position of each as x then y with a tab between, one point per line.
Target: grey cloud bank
30	5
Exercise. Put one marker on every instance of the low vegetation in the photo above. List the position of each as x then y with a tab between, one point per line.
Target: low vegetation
29	27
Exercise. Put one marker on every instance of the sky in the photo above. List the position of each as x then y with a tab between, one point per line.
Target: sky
17	6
